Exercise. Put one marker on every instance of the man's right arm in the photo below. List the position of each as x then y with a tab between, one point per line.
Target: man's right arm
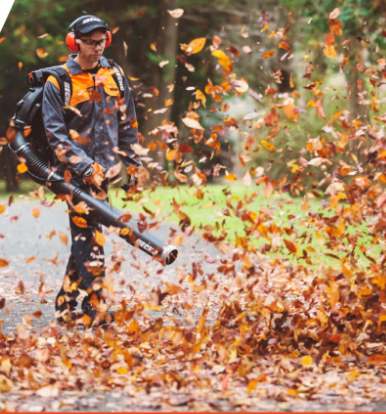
56	129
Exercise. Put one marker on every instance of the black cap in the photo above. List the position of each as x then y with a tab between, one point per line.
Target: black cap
86	24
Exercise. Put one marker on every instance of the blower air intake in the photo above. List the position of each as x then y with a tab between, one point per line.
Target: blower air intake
35	150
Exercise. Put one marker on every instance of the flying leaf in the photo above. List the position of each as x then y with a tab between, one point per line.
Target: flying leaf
267	145
114	170
79	221
335	27
176	13
335	13
268	54
22	168
3	263
284	45
319	108
63	238
230	177
192	123
329	51
201	97
153	46
99	238
196	45
41	52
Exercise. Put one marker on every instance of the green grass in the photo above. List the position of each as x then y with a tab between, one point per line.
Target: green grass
286	210
209	210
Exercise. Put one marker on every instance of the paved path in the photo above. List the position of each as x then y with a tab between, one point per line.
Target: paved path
25	237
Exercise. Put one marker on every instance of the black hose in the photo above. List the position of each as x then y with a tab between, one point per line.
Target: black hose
105	213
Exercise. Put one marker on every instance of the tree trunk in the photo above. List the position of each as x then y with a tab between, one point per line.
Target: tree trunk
8	164
167	39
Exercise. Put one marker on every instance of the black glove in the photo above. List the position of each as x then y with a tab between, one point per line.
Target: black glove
132	181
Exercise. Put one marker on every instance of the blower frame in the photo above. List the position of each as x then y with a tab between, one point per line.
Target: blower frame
38	168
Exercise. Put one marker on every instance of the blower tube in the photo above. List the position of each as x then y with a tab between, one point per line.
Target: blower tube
105	213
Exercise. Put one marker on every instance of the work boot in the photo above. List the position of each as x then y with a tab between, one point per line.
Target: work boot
65	305
93	306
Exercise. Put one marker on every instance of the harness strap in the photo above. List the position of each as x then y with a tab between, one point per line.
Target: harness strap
65	83
118	78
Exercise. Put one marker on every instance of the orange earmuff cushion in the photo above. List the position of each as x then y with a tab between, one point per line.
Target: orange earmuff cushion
109	38
70	41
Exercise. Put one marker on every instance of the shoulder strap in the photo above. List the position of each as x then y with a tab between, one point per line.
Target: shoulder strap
118	78
65	83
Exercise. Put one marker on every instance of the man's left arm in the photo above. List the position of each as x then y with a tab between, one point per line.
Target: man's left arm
128	129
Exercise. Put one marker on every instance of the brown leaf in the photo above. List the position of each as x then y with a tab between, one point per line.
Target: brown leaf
335	27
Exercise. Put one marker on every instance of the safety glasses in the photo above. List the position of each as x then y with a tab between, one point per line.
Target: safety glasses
94	43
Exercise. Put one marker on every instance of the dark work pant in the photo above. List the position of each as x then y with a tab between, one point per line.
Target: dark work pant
86	262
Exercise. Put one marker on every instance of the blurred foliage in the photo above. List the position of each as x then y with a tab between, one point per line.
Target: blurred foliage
139	25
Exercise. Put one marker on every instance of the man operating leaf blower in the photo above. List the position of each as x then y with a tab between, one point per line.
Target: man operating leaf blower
98	122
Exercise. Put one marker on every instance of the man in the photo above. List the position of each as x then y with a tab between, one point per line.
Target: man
87	137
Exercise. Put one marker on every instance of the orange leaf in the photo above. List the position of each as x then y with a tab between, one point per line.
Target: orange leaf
306	360
267	145
329	39
178	240
31	259
99	238
230	177
268	54
196	45
376	360
252	384
347	272
2	208
2	40
152	146
163	145
22	168
338	115
3	263
171	155
79	221
362	181
41	52
329	51
36	212
335	26
284	45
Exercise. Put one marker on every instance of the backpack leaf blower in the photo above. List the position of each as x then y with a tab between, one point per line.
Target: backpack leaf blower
38	156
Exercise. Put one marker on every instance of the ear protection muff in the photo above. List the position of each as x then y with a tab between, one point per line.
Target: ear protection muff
71	37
